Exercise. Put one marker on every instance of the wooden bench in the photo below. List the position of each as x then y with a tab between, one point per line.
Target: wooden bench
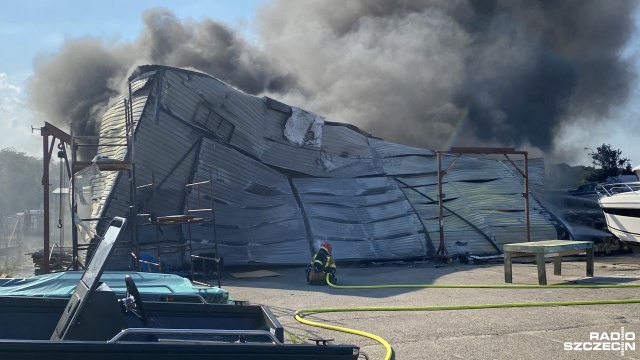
547	248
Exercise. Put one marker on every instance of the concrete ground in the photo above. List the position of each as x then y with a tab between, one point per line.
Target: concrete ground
504	333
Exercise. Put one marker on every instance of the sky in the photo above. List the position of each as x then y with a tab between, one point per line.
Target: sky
33	30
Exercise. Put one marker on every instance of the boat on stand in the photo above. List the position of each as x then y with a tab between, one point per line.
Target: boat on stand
620	203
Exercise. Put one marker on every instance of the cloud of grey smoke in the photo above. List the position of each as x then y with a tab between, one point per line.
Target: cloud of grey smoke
435	73
72	87
429	73
211	47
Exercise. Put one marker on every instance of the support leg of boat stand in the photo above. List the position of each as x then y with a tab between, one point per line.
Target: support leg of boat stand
542	272
507	268
557	265
590	262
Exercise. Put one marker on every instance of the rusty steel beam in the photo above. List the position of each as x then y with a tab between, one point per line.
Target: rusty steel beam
484	150
47	149
45	185
57	133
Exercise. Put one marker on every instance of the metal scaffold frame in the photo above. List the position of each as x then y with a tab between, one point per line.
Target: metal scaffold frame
188	218
127	164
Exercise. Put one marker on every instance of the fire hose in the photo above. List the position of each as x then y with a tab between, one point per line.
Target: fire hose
300	314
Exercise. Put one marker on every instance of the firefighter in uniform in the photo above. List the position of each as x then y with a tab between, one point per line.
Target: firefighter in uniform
321	265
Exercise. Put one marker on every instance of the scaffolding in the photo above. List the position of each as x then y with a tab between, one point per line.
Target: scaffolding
75	165
116	153
195	214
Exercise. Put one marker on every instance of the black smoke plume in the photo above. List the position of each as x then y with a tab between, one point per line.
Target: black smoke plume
72	88
502	73
430	73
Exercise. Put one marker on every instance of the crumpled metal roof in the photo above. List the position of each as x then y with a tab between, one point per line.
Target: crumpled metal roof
276	201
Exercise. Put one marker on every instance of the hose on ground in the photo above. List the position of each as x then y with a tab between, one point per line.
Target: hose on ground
300	314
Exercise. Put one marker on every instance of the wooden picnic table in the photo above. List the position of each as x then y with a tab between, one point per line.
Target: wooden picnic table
544	249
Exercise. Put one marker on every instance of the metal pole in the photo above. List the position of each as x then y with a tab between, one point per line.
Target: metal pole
74	206
45	186
215	235
441	248
526	194
156	225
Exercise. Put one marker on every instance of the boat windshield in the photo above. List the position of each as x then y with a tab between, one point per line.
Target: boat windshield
97	263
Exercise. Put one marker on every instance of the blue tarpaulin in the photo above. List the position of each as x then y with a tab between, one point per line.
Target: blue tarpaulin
62	284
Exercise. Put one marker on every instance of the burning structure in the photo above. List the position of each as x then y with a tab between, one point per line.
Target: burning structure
284	180
431	74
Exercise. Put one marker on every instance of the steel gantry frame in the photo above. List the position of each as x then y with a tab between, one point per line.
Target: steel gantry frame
64	140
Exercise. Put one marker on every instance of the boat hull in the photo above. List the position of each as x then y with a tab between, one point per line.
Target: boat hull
93	322
100	350
622	215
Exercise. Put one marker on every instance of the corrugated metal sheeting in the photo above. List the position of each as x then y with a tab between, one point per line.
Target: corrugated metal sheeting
257	217
363	218
276	201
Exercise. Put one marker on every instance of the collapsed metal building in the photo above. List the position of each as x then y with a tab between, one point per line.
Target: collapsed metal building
284	180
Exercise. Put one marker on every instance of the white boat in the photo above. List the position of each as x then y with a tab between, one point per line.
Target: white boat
620	203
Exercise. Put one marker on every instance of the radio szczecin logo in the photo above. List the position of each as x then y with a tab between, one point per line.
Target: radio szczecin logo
606	341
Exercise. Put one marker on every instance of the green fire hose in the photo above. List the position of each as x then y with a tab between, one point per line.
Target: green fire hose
300	314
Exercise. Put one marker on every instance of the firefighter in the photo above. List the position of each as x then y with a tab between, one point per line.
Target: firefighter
321	265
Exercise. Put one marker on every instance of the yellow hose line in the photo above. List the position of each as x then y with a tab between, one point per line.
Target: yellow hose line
470	307
487	286
299	315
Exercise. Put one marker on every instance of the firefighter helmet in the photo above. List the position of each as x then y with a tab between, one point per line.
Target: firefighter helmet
326	246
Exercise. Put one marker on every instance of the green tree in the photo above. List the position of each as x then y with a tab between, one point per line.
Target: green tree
608	162
20	182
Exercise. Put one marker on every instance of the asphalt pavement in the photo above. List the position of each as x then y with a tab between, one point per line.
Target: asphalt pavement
567	332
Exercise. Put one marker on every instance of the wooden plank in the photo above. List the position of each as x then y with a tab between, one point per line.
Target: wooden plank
542	271
110	165
507	268
590	262
557	266
548	255
178	219
547	246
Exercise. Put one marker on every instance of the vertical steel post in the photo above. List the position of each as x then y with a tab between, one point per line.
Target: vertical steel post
215	236
45	186
441	248
156	226
74	206
526	194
